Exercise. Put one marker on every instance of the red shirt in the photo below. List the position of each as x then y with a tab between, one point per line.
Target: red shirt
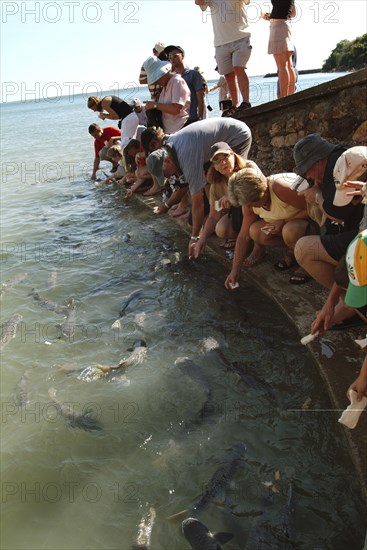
108	133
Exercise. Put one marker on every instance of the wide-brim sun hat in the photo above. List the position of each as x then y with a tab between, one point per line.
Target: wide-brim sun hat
309	150
219	147
155	69
351	165
356	260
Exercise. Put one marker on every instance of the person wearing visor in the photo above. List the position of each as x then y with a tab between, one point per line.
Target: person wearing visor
318	254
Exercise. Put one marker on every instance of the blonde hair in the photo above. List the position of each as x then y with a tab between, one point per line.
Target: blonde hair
247	185
114	151
94	101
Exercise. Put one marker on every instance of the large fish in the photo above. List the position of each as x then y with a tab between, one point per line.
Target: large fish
139	351
69	324
200	538
218	482
49	304
21	390
142	541
75	419
127	300
9	330
197	373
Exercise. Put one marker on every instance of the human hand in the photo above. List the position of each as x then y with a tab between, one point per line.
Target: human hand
360	386
323	319
102	116
265	15
231	282
149	105
273	229
197	249
360	188
93	177
161	209
129	194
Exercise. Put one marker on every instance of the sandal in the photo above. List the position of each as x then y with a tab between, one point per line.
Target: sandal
286	262
228	244
299	278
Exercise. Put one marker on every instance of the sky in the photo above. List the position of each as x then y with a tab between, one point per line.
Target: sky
63	47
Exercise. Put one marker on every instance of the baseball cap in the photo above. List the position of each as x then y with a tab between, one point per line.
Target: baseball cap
351	165
220	147
356	260
168	49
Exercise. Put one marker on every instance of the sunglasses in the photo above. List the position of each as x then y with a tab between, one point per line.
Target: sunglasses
225	156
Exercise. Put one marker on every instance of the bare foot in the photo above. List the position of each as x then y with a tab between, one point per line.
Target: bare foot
152	191
255	258
179	212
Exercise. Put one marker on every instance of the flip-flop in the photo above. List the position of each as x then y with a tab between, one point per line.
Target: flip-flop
351	322
286	262
228	244
299	278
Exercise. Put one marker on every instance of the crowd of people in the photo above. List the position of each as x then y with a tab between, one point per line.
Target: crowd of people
200	167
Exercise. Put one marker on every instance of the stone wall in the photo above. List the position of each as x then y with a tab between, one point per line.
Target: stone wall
337	110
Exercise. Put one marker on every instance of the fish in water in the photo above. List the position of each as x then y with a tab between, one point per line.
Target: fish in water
48	304
21	390
69	324
10	283
219	480
139	351
127	300
200	538
196	372
277	537
9	330
75	419
142	541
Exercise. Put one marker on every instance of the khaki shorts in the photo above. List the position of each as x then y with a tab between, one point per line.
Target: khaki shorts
233	54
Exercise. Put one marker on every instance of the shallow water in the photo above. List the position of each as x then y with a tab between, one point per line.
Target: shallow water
164	433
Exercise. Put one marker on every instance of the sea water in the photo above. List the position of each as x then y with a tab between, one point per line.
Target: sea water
66	488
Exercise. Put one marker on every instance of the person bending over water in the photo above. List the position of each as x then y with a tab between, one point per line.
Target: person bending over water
114	108
224	219
268	204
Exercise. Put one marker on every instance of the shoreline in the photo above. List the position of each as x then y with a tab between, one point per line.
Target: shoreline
337	356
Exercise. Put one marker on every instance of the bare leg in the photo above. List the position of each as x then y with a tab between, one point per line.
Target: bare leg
243	83
232	85
312	256
286	74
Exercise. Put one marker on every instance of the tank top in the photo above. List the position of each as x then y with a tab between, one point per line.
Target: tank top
120	107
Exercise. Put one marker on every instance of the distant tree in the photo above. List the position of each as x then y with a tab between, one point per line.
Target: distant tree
347	55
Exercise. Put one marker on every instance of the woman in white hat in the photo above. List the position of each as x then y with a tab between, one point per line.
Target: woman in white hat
174	99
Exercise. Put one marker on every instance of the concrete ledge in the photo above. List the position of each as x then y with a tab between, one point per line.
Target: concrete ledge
300	303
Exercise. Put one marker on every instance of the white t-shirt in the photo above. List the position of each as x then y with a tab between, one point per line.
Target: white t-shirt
229	20
176	91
